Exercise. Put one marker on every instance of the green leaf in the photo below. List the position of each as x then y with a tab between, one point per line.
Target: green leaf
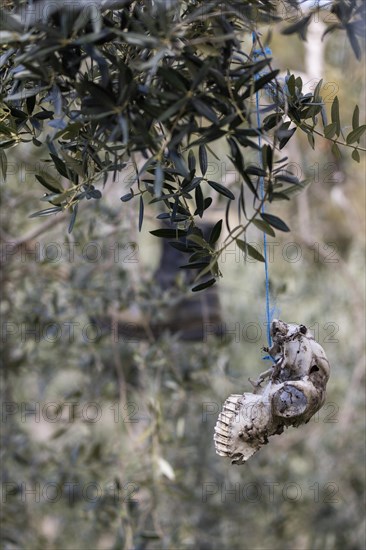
205	110
3	163
100	94
318	87
250	250
198	240
46	212
311	140
330	130
71	131
323	114
202	153
271	121
265	227
169	233
7	144
73	218
274	221
191	161
236	156
141	212
200	74
284	133
356	155
356	118
48	185
43	115
195	265
211	268
221	189
211	134
249	183
182	247
255	171
298	83
17	113
60	166
204	285
241	203
290	82
335	115
172	110
54	198
227	212
299	27
288	178
247	75
350	29
23	94
179	164
207	203
268	156
356	134
127	197
173	78
259	84
198	195
281	195
336	151
215	233
198	255
5	130
158	180
73	165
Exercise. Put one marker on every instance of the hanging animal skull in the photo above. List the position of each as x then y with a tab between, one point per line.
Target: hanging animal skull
294	392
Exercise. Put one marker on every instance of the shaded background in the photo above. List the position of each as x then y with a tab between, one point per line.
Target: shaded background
108	438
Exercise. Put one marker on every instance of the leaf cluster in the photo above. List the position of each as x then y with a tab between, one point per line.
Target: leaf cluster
158	83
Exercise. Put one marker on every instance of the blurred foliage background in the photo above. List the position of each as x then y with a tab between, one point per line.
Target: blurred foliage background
107	440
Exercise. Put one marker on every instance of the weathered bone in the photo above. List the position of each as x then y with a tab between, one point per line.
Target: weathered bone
294	393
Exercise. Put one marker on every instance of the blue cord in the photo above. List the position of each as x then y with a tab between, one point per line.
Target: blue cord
258	53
